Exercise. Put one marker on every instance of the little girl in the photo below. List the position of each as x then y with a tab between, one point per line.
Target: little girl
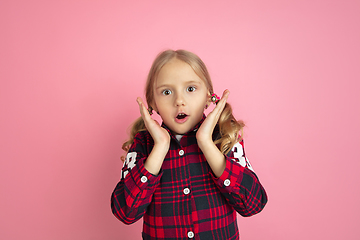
189	176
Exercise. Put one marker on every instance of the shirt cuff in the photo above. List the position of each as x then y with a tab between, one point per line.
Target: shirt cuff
231	178
142	178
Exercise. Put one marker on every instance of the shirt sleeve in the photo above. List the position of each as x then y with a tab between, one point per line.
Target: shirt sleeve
239	184
134	192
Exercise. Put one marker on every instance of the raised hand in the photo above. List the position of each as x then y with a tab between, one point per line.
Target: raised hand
159	134
161	141
212	154
204	134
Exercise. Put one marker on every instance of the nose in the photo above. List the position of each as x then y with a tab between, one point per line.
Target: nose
179	100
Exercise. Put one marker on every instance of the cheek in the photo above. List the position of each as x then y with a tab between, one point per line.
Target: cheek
157	102
203	103
161	105
206	99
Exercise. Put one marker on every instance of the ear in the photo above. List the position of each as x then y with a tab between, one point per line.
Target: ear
208	101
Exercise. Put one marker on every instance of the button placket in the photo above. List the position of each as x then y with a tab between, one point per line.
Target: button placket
227	182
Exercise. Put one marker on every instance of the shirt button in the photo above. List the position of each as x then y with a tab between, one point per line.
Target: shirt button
144	179
181	152
190	234
227	182
186	191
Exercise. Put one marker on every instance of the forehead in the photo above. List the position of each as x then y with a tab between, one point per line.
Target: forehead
176	71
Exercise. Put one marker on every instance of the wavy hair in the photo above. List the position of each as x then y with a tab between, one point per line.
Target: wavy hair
229	127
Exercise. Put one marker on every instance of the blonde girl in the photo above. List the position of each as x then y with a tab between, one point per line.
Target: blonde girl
189	176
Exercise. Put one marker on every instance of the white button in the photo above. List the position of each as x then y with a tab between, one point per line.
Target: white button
186	191
143	179
227	182
190	234
181	152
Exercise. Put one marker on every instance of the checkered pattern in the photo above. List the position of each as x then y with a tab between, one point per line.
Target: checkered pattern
185	200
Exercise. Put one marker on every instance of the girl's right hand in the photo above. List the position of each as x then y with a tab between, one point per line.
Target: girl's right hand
161	141
159	134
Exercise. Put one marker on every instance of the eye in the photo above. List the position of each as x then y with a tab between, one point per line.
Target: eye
191	89
166	92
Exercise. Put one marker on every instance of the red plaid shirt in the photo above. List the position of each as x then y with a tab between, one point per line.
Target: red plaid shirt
185	200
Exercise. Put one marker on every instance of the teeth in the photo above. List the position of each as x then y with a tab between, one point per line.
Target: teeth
181	115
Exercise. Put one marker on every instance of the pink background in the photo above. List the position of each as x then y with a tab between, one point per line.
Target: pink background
70	72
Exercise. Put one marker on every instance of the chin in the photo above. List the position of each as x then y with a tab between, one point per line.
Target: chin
179	131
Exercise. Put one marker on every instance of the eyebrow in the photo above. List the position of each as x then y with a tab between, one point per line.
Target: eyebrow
186	83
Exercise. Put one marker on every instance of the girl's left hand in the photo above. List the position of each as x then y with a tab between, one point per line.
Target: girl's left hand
204	133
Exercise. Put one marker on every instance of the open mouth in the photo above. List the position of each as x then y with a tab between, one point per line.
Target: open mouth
181	116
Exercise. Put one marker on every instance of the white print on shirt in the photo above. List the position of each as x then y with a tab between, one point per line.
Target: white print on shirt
239	154
129	163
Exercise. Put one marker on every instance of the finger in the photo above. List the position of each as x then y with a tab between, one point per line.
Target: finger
221	104
157	123
225	96
143	111
139	101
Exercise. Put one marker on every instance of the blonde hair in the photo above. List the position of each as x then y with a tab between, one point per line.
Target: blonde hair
229	127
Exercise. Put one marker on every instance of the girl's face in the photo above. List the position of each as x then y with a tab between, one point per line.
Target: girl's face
180	96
